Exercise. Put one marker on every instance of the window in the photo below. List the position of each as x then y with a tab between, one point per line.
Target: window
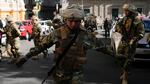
86	11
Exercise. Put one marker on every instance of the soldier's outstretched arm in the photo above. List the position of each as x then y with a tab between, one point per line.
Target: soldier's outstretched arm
141	31
47	42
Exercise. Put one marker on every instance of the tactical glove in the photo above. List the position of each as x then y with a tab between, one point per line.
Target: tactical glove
131	42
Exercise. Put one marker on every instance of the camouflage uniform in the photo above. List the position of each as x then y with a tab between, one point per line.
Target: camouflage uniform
70	69
36	33
132	29
12	33
130	35
90	22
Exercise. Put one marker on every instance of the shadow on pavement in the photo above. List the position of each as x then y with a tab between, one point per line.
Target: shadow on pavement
32	72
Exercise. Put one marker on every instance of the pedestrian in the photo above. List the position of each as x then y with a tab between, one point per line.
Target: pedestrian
106	27
132	30
70	68
36	34
12	41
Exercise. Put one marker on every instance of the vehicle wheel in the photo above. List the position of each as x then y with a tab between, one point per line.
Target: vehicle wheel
124	78
27	36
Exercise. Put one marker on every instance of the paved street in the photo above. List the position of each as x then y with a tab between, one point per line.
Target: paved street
100	69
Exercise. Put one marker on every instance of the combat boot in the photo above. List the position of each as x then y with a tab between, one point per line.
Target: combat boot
124	78
20	62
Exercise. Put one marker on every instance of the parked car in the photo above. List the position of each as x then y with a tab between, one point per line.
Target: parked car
25	27
143	48
46	29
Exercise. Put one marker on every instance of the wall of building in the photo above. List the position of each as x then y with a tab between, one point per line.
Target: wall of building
14	8
106	8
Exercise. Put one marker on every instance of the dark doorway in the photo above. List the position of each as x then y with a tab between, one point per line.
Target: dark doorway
86	11
114	13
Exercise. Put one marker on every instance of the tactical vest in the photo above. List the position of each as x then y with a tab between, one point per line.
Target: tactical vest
75	56
130	28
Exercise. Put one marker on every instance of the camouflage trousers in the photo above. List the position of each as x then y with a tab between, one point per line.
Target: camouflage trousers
68	78
12	48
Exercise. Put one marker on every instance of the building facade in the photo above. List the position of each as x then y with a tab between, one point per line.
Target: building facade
109	8
14	8
44	9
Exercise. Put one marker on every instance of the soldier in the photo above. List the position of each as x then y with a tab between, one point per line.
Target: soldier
12	34
106	27
90	22
36	34
132	29
70	68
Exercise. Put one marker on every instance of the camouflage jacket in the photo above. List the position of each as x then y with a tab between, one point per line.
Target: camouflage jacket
130	28
76	55
36	32
11	31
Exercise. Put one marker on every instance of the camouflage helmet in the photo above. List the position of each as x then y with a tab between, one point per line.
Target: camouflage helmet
73	12
130	8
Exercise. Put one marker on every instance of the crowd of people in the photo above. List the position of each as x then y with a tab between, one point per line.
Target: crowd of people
72	40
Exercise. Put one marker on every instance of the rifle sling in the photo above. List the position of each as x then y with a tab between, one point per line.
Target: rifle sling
60	57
